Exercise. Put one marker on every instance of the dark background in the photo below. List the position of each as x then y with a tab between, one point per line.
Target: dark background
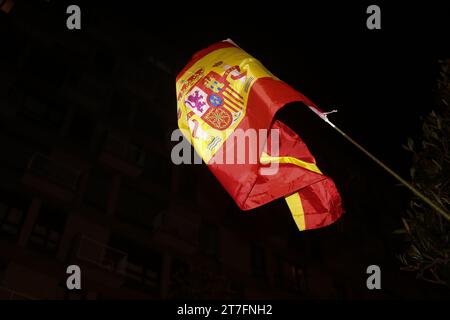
86	176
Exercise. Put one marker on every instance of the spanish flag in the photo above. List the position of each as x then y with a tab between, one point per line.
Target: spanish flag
226	103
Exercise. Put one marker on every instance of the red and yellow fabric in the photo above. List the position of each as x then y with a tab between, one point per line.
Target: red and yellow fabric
223	89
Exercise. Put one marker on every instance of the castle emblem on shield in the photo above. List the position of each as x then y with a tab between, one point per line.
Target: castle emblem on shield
214	100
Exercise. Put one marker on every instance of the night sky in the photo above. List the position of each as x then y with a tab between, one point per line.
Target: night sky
381	81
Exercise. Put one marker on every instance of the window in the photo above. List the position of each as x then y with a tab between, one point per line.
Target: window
179	268
54	171
142	275
13	209
290	276
151	124
138	207
104	61
97	189
47	230
144	264
42	112
258	261
106	257
279	272
158	170
186	190
46	68
209	239
13	39
15	160
10	221
236	290
136	154
81	130
179	279
296	279
125	150
121	107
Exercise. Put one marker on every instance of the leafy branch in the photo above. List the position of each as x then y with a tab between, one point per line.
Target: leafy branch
427	233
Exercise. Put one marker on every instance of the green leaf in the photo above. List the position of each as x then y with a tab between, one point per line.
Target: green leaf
435	135
438	123
426	130
410	144
412	172
400	231
437	165
405	223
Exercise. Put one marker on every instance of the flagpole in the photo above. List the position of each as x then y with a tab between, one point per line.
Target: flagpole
380	163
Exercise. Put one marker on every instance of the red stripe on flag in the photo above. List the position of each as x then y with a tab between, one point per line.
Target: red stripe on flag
230	94
234	91
230	100
231	107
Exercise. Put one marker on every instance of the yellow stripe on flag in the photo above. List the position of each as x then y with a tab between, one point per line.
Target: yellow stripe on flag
294	201
295	205
265	158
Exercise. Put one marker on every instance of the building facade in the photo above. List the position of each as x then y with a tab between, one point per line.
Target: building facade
87	179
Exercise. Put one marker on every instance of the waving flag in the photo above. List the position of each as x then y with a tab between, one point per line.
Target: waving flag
223	93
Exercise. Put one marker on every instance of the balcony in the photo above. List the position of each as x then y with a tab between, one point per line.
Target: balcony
99	262
122	156
51	178
144	277
175	229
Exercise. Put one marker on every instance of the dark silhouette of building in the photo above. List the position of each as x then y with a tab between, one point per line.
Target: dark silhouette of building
86	178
